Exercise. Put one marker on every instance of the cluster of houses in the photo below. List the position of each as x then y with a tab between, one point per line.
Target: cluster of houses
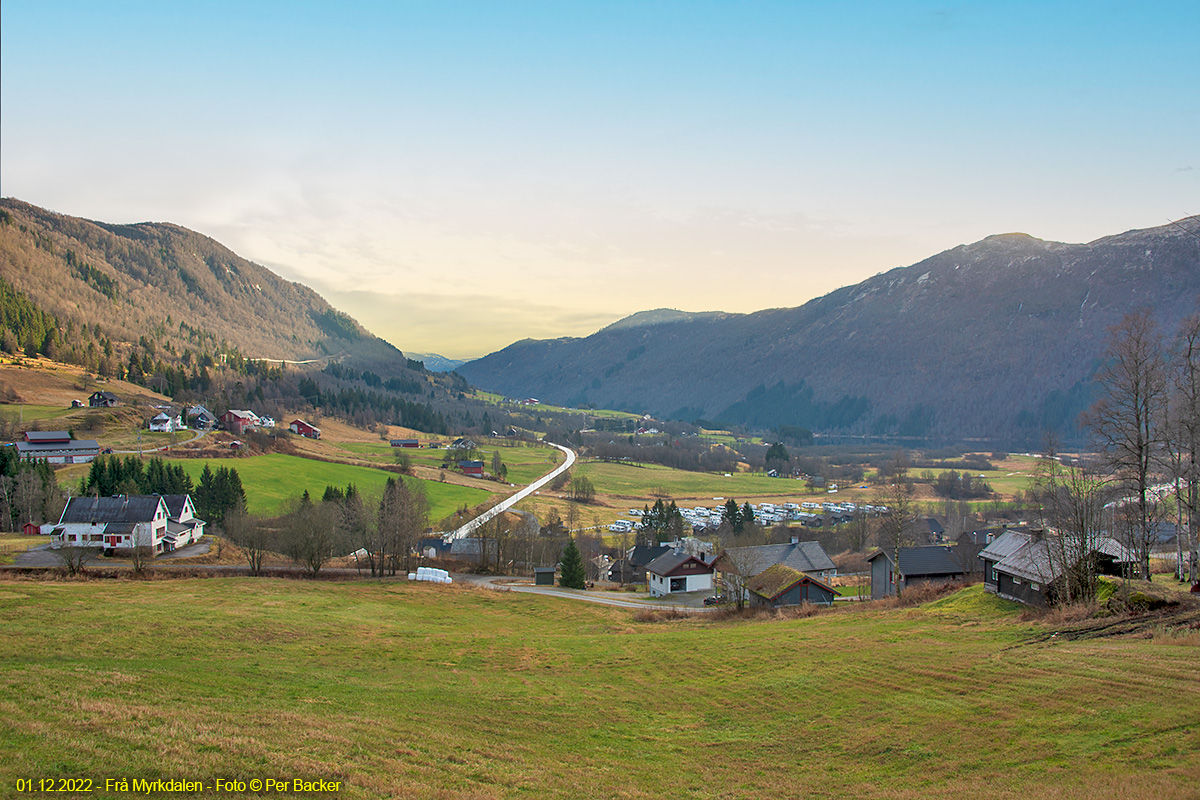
160	523
772	576
1026	565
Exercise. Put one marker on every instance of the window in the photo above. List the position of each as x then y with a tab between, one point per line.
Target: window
1016	581
1034	586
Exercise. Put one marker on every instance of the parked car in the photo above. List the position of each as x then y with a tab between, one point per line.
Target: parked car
715	600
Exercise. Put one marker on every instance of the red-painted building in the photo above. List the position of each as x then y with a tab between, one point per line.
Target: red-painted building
302	428
472	468
236	422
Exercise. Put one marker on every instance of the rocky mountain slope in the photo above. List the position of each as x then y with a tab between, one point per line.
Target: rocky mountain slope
998	338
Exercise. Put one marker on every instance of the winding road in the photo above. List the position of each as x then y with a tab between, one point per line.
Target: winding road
506	504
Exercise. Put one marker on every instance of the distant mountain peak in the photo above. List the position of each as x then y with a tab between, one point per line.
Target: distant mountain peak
659	316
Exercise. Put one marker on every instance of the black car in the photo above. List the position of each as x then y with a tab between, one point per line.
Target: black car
715	600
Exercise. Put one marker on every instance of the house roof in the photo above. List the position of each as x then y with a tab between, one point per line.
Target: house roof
643	554
779	578
104	394
671	561
135	508
175	504
72	446
45	437
935	559
1024	554
800	556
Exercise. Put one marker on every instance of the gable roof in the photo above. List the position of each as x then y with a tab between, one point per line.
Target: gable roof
800	556
643	554
934	559
779	578
45	437
671	561
1029	555
135	508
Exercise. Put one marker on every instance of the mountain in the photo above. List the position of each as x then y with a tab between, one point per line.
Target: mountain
132	278
435	362
160	305
999	338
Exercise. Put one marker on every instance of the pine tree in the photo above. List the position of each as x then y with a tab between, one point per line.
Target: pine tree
573	575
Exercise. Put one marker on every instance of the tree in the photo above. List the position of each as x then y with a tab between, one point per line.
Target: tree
254	537
582	490
403	515
738	566
312	535
733	515
1071	499
573	575
75	558
777	456
898	527
1183	441
1128	417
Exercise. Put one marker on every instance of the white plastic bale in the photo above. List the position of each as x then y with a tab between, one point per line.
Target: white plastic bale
412	576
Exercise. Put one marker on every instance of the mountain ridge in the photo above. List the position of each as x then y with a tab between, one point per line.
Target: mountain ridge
994	338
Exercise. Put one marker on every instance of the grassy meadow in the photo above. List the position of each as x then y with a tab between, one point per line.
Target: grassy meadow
403	690
274	479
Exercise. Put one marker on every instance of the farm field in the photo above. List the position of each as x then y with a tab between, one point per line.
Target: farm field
525	463
273	479
404	690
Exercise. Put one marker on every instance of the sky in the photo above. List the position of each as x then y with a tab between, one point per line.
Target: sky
461	175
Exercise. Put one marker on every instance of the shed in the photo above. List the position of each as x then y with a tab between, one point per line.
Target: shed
543	576
933	563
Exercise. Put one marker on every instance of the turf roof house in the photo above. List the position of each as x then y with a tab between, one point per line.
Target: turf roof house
933	563
677	572
780	585
161	523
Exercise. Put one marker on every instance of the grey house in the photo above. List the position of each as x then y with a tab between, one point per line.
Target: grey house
1028	565
933	563
807	557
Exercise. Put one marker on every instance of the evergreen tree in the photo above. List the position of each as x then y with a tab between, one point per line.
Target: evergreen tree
733	515
573	575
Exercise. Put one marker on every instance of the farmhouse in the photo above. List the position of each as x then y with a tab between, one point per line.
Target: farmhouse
159	523
780	585
165	423
639	557
1028	565
299	426
472	468
103	400
56	447
677	571
238	421
933	563
201	418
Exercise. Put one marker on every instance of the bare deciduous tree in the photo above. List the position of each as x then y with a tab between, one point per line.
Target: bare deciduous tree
898	527
1128	418
1183	434
1071	499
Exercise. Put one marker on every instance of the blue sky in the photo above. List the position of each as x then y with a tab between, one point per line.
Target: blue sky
461	175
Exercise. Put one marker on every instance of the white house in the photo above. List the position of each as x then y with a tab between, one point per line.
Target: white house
165	423
124	522
676	571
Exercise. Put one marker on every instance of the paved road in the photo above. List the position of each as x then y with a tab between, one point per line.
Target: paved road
693	601
508	503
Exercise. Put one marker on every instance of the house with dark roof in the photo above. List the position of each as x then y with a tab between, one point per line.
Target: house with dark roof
780	585
164	422
933	563
677	572
201	419
103	399
641	555
807	557
159	523
471	468
1029	565
56	447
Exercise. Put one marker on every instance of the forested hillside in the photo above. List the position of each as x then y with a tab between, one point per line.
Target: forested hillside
164	307
995	339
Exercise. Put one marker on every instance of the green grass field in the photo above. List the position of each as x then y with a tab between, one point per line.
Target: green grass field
28	413
404	690
274	479
637	481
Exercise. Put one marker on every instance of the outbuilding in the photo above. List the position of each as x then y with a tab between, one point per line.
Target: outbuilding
543	576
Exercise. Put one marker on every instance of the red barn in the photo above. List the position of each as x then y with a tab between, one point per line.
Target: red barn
304	429
472	468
